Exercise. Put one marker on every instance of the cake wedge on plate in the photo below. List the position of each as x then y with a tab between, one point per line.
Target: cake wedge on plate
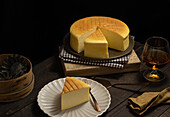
75	92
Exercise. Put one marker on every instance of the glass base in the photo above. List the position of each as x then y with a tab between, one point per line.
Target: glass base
153	75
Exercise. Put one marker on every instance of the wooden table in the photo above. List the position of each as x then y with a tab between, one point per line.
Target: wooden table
50	70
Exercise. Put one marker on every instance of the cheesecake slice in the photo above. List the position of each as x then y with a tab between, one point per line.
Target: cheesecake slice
96	45
75	92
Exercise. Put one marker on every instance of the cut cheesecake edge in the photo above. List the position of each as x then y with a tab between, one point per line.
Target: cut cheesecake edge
77	42
75	92
115	40
96	43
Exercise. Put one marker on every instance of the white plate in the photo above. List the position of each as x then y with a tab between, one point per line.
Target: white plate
50	95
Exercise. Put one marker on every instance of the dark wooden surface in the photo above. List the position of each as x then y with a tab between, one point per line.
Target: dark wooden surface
50	70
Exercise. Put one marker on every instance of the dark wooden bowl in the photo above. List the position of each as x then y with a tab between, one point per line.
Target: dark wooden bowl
9	87
19	94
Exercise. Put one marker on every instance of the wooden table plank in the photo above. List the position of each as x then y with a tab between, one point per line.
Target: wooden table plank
122	109
118	95
50	69
166	113
31	110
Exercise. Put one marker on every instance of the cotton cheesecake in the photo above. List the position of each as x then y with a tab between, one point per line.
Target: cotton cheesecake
96	43
115	32
75	92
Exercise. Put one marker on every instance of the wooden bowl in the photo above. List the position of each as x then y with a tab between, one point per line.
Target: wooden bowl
17	84
19	94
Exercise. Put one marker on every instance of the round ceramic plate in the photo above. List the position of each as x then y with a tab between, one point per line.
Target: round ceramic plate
112	53
50	95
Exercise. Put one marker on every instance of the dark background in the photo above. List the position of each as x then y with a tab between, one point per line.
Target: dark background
36	28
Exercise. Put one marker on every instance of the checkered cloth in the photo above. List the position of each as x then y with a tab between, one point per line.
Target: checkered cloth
114	63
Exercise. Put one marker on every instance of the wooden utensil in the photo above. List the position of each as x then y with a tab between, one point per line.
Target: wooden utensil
94	99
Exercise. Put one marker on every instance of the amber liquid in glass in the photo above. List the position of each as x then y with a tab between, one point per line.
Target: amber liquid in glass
155	59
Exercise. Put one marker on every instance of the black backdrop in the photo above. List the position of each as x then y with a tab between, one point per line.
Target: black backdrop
36	28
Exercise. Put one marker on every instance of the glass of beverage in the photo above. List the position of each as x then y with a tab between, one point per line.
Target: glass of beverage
155	55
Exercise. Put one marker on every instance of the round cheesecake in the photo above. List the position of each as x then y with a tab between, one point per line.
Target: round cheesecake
115	35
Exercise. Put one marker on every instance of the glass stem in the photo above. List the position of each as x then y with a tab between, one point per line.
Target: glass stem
154	71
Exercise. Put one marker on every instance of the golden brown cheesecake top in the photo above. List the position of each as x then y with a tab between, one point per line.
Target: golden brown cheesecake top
84	25
72	84
97	36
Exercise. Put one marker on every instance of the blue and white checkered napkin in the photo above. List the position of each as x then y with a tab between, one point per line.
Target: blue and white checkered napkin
114	63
